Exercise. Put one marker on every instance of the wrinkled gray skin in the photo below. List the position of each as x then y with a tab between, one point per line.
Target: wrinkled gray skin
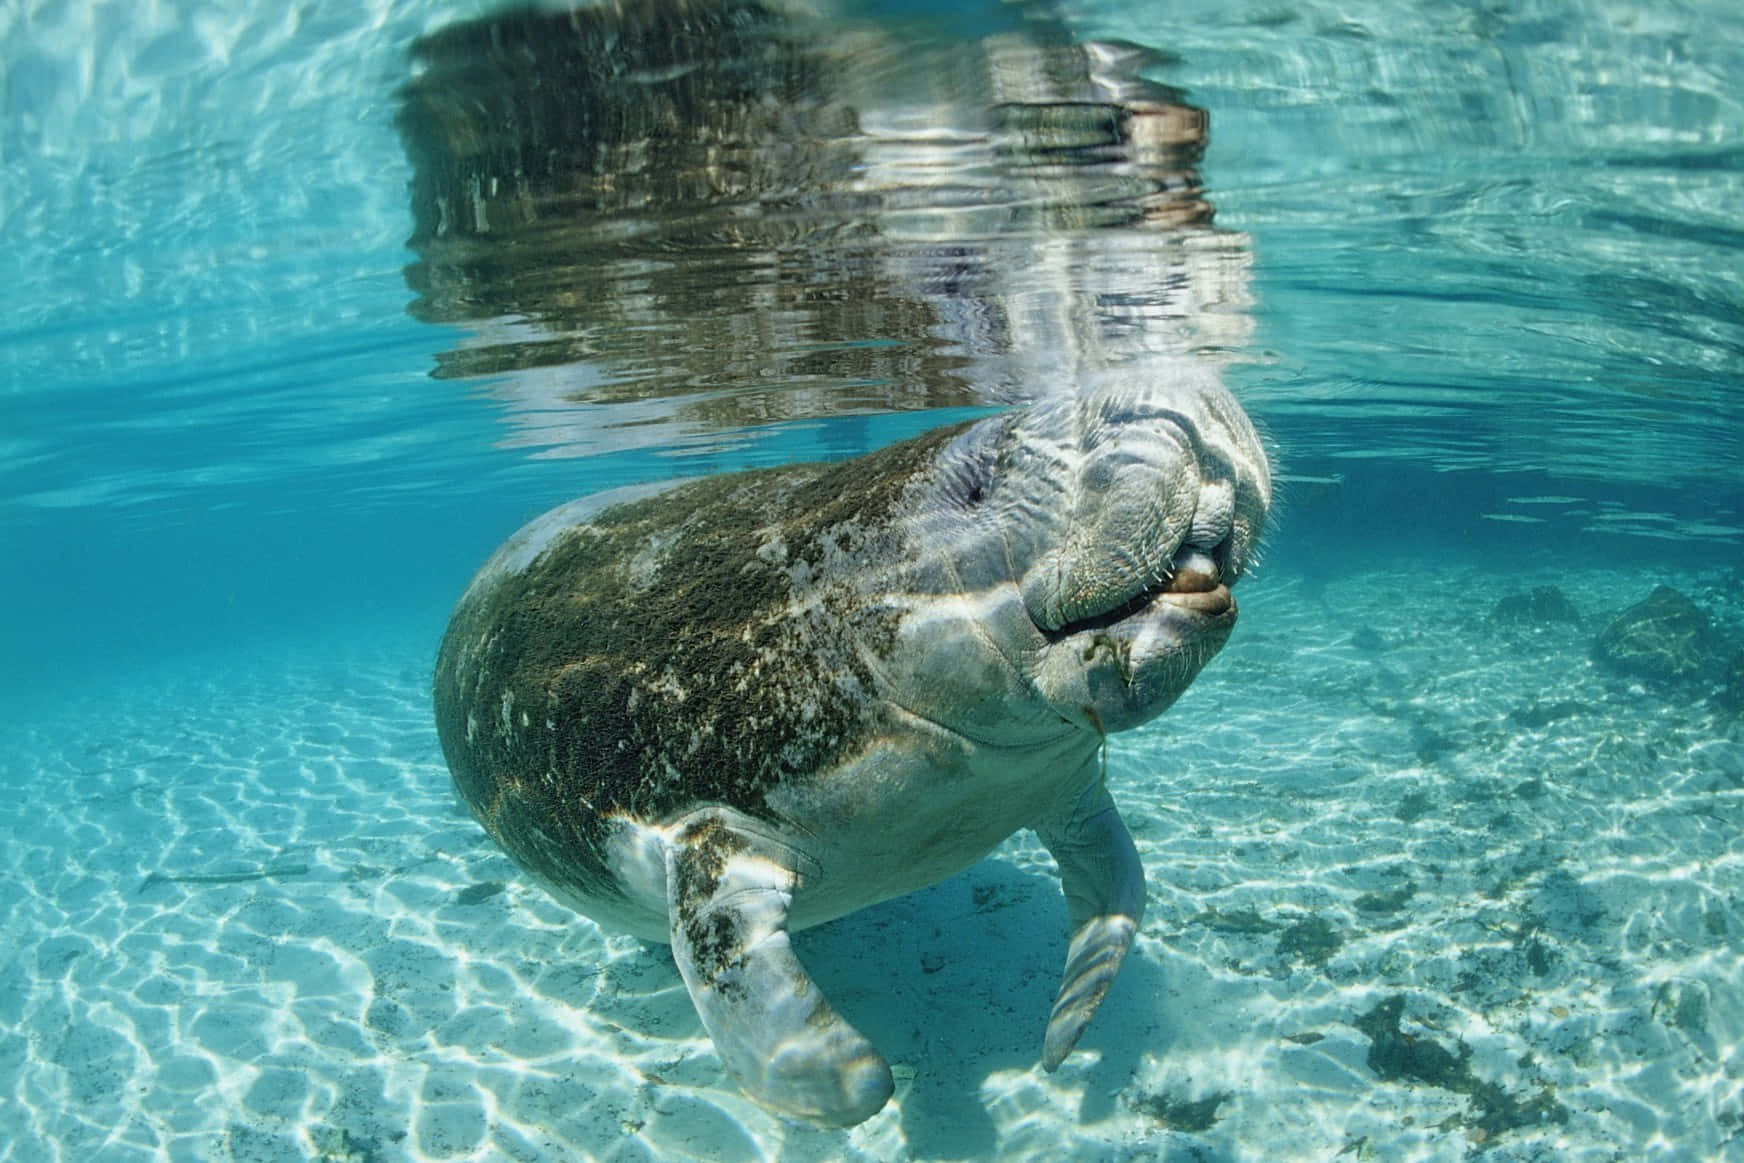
952	627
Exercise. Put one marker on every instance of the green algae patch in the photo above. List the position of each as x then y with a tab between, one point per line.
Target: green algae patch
1189	1116
1386	902
1236	921
1397	1056
1312	940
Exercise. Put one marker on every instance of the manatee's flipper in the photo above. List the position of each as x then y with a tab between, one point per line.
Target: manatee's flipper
1105	893
780	1039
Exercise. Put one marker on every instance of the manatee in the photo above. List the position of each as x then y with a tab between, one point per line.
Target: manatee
715	712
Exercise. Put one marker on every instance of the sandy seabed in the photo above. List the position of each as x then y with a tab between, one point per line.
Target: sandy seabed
1420	888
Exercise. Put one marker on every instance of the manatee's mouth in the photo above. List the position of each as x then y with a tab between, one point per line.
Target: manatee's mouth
1193	584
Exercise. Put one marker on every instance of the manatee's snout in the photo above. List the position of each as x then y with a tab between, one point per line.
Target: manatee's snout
1089	545
1144	497
1127	515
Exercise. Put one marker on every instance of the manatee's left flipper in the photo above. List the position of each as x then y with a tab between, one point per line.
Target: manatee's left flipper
777	1035
1105	895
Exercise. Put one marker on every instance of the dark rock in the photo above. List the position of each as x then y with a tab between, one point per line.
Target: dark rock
1543	606
1664	636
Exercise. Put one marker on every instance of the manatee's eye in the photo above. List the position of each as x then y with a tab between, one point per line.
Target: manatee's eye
969	464
976	482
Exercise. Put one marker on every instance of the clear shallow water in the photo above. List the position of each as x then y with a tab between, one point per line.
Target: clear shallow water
1480	281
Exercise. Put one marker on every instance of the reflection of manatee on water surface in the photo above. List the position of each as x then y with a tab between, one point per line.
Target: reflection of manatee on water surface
714	712
736	218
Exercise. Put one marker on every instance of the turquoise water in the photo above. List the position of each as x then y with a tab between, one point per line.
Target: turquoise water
1476	270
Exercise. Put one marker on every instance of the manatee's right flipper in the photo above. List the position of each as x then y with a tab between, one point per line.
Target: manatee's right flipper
780	1039
1105	897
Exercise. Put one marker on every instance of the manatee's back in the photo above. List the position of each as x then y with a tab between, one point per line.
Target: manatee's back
701	645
